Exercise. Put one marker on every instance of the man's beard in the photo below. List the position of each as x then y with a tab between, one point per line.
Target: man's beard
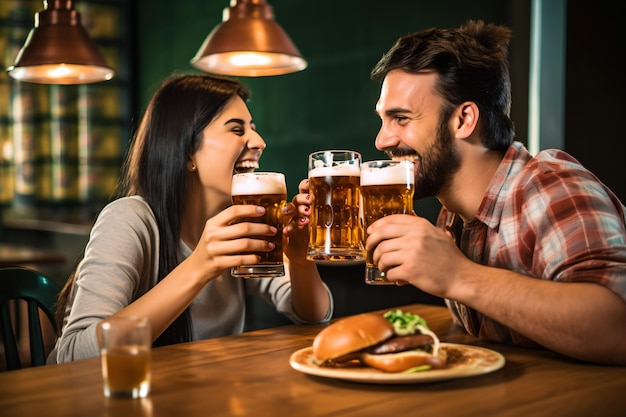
436	165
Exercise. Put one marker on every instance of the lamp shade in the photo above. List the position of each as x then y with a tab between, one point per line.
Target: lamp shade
250	43
58	50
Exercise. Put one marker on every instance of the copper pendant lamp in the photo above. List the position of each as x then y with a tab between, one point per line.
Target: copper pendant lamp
58	50
249	43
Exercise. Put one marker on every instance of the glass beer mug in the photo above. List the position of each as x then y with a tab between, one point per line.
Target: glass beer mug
267	189
335	232
387	187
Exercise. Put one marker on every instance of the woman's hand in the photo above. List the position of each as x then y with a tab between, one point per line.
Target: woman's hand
226	243
296	230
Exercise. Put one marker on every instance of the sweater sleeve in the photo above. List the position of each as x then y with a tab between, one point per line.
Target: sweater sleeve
120	262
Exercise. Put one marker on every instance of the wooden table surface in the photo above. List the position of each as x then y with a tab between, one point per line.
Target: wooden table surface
250	375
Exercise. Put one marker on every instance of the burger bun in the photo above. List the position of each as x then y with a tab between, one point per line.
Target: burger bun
351	334
403	361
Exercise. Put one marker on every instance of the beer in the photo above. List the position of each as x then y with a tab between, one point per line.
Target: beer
273	204
126	353
268	190
126	370
387	188
335	232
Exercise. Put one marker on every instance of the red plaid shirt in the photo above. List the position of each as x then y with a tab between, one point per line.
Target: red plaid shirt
546	217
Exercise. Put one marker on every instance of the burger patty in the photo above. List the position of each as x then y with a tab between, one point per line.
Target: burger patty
401	343
391	345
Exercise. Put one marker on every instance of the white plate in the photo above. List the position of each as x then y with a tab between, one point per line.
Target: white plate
477	361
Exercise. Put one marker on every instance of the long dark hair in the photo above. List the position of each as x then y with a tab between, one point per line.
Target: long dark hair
471	63
156	167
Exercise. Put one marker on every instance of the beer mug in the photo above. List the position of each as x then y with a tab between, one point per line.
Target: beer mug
267	189
335	232
387	187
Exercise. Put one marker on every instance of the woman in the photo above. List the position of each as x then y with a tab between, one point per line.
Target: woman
165	248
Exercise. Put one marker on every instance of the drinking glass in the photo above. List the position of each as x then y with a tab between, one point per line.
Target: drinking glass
335	232
387	187
267	189
126	355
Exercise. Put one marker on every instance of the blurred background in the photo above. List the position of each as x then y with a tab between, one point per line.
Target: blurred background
62	146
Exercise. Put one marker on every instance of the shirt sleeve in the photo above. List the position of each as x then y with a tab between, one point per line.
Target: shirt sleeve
575	226
120	261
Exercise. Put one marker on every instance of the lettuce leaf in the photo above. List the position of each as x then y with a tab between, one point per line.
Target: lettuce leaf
405	323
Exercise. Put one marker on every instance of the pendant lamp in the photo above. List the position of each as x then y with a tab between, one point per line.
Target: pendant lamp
249	43
58	50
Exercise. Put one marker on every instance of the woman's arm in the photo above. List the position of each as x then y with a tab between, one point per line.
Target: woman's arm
311	298
118	275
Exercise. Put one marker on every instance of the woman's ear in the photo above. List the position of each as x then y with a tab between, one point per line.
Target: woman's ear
465	120
191	166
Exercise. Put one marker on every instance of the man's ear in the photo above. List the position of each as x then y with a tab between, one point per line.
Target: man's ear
465	120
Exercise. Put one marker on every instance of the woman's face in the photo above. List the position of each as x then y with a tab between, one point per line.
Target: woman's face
230	145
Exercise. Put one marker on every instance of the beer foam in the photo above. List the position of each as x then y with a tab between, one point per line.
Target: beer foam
344	170
253	184
392	174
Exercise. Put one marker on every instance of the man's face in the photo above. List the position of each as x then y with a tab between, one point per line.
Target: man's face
410	109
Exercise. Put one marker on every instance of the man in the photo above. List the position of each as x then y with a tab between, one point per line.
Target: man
527	250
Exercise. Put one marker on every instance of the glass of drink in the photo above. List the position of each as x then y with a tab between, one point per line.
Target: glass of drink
267	189
125	352
387	187
335	232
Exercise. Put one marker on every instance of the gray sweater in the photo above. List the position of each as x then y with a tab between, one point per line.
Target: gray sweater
121	264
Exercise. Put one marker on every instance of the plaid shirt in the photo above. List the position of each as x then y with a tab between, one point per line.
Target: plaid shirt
546	217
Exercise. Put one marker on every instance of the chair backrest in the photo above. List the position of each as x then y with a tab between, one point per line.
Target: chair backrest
38	292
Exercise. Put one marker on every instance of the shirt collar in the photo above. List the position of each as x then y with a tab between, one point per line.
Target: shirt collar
490	210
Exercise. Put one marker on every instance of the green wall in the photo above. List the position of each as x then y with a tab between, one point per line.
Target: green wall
331	103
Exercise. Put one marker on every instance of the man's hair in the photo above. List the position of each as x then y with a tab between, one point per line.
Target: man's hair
471	63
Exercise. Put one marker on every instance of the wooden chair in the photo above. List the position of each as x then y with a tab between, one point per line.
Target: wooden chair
39	293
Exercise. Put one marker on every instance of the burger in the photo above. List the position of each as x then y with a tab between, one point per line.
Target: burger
393	342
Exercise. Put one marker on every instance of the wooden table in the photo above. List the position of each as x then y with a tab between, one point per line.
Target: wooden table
249	375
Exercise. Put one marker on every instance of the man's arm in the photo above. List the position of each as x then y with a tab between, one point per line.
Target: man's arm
582	320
